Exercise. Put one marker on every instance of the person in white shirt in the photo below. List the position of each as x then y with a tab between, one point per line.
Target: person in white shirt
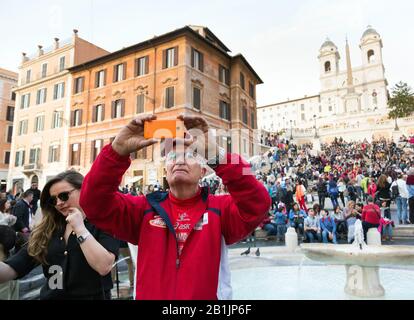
401	199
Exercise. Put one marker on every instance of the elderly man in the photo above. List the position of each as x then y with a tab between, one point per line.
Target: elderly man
181	234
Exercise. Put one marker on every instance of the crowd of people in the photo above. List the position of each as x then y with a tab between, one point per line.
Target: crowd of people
350	180
90	221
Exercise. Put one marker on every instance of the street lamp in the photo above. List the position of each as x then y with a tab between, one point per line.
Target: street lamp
291	136
316	132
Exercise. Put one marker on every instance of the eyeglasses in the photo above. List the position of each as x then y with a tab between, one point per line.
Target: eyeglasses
63	196
188	156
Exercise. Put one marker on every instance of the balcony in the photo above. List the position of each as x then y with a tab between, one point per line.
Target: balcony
32	168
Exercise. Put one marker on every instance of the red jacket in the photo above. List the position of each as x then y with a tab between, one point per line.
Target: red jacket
371	213
146	222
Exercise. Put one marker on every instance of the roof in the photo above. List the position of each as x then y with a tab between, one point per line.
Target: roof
144	45
328	43
187	30
288	101
370	30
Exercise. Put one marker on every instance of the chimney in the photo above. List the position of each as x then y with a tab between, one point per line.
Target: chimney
24	58
40	51
56	43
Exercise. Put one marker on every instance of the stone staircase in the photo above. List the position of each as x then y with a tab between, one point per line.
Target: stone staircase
403	231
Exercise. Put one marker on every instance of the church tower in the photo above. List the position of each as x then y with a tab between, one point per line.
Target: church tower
328	59
371	47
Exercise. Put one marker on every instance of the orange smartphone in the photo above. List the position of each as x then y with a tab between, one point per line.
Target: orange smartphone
159	129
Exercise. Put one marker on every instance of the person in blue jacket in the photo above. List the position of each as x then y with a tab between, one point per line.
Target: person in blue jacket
296	218
328	227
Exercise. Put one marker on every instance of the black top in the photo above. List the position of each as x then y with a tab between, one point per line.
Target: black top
384	193
79	280
22	211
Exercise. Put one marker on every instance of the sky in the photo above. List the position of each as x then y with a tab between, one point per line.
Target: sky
280	39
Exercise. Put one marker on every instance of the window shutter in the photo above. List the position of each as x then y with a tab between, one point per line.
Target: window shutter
136	67
103	112
92	150
78	154
220	73
113	109
176	56
23	156
72	118
38	97
192	57
201	62
63	89
164	59
104	77
94	113
146	64
115	74
227	76
122	107
124	73
96	79
55	89
80	116
71	158
58	154
50	154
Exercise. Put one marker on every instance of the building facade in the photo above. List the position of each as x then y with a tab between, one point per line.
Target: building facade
41	131
8	80
188	70
347	98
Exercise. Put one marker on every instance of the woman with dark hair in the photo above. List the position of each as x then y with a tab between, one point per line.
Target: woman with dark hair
6	219
76	257
383	190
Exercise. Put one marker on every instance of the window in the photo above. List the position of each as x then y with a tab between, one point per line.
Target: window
7	157
224	75
59	91
244	146
54	153
330	108
100	78
140	103
19	160
119	72
303	117
39	123
57	119
41	96
9	134
96	148
196	98
242	80
13	96
251	89
25	101
98	113
79	84
197	60
61	64
23	127
44	70
224	110
34	156
253	124
302	107
118	108
170	58
76	119
75	153
169	97
320	109
10	113
141	66
371	56
244	115
327	66
28	75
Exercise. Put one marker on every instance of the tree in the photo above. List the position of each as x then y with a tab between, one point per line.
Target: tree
401	104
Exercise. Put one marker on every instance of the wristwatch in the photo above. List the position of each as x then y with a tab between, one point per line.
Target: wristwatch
215	161
82	238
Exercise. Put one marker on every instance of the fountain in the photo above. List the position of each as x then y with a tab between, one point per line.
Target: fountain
361	262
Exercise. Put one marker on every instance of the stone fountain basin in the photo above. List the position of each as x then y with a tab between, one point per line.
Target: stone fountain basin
350	254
